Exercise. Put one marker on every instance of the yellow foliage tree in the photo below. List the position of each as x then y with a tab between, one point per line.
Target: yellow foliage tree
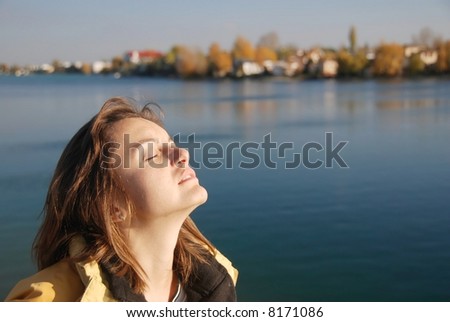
171	57
214	50
220	61
201	64
57	66
86	69
190	63
443	62
243	49
184	62
265	53
388	60
4	69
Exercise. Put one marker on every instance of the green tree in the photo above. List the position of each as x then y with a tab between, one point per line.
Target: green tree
286	52
170	57
388	60
416	65
351	65
352	39
166	65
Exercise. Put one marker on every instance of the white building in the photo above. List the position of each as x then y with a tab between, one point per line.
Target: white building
99	66
429	57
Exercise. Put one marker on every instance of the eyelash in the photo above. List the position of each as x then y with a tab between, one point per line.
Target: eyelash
152	157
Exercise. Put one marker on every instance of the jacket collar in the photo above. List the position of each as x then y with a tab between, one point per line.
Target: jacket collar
91	275
204	285
120	287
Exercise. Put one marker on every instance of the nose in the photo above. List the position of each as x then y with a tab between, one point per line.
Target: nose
180	157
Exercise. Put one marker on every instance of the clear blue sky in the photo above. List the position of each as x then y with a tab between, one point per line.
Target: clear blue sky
38	31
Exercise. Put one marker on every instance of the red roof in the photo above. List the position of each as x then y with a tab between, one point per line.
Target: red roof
147	54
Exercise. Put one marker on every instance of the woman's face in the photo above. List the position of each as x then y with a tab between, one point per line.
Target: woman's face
154	172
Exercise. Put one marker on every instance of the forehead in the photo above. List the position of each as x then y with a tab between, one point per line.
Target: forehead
137	129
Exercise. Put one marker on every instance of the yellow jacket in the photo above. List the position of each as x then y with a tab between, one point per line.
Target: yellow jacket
67	281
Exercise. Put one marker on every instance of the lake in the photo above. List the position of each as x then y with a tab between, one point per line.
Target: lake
375	230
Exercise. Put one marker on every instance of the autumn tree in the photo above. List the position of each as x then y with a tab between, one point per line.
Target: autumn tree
185	62
86	69
4	69
117	64
14	69
388	60
201	67
243	49
443	62
58	66
265	53
190	63
214	50
220	61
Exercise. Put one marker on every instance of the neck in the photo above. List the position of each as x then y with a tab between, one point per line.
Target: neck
153	244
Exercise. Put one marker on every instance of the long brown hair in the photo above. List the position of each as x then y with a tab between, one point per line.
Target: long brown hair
79	202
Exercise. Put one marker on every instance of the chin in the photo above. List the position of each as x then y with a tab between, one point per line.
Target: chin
198	201
203	196
197	197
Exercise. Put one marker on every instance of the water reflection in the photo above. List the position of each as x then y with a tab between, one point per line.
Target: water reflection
411	103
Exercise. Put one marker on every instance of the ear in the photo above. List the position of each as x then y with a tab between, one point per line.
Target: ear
119	214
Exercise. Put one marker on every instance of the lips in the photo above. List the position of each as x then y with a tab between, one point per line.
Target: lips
188	174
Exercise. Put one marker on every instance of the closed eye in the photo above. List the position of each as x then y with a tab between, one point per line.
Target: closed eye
150	158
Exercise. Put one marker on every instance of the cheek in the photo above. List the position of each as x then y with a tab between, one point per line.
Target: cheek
139	189
149	194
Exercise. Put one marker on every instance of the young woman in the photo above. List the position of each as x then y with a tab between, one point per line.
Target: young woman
117	225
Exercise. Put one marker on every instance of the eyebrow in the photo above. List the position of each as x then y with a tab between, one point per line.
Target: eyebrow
145	140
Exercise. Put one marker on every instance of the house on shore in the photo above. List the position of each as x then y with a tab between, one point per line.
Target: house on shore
246	68
428	56
142	56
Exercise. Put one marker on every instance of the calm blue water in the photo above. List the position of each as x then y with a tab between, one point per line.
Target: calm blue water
376	231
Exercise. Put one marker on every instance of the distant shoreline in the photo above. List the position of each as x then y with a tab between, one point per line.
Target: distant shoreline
237	79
